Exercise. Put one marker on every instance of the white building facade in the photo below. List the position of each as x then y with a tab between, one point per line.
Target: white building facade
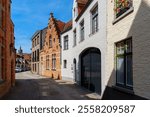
86	56
66	54
128	53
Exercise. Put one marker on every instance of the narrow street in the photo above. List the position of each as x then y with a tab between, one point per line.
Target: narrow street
34	87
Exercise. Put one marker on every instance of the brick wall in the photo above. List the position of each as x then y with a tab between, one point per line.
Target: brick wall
53	31
7	40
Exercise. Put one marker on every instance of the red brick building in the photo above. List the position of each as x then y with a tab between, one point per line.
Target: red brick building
7	50
50	54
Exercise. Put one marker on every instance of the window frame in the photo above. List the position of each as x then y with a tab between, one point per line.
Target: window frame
124	55
124	14
53	61
66	42
94	15
47	62
82	31
65	64
74	37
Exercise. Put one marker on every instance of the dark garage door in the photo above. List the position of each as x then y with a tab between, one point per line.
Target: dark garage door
91	70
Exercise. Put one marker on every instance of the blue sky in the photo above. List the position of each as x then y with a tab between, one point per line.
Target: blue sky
31	15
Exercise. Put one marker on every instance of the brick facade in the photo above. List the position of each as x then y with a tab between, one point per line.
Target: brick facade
50	54
7	51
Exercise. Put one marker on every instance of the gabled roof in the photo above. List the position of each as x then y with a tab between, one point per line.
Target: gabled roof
83	7
27	56
67	26
60	25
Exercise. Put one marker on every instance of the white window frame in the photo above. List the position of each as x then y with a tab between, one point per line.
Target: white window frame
95	29
66	42
74	37
82	30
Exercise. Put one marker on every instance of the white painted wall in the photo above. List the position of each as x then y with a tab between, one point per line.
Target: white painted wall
137	25
67	73
97	40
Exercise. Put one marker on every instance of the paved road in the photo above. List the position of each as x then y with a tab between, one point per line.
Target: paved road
34	87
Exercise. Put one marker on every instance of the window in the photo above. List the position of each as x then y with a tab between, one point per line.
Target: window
54	61
38	40
66	42
121	6
124	64
47	62
35	56
38	55
94	14
32	56
50	42
82	31
74	38
35	67
65	63
35	42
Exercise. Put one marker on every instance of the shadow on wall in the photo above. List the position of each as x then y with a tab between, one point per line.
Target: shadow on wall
140	33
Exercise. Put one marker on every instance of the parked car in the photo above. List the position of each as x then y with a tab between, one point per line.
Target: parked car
18	70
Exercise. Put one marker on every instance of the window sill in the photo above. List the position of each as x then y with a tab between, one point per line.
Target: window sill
123	15
123	89
93	33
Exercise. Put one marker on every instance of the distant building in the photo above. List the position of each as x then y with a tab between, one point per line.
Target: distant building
7	49
37	44
19	59
27	58
50	54
23	61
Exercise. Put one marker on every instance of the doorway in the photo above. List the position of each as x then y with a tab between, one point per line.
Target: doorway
91	70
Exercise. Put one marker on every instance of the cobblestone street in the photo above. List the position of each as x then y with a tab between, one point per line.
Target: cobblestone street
34	87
